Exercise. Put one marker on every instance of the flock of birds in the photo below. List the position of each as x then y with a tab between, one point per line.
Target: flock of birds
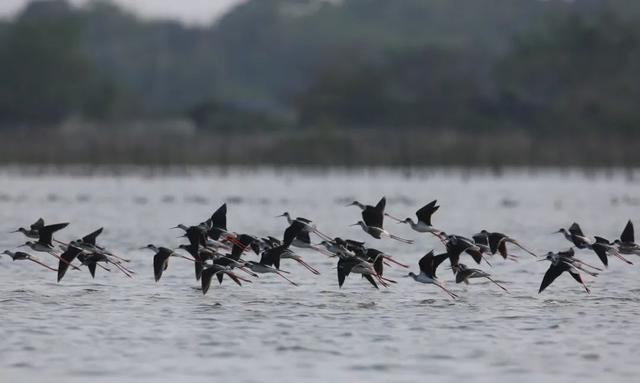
218	252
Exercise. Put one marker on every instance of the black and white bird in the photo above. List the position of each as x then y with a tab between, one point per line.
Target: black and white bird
457	244
22	256
32	232
464	273
498	243
45	240
626	244
372	225
307	224
423	225
372	213
428	265
161	259
561	262
356	265
372	221
576	236
604	248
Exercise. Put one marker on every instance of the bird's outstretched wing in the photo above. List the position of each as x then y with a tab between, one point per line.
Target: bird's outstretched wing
91	238
628	234
424	213
551	275
219	218
575	229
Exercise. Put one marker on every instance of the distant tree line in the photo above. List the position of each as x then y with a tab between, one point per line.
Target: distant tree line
547	67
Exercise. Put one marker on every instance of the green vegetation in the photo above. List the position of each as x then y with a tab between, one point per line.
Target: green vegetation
551	68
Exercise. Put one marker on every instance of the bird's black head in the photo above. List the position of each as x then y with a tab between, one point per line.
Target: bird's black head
150	246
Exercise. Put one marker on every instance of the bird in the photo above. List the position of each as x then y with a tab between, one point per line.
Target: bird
457	244
561	262
423	225
32	232
338	246
498	243
95	253
161	259
576	236
482	241
269	259
20	256
626	244
307	224
428	265
603	247
45	238
464	273
197	235
45	241
373	215
92	260
219	271
379	233
377	259
355	265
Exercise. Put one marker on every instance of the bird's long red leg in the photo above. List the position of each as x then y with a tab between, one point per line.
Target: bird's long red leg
451	294
617	254
234	278
523	248
400	239
588	265
388	280
497	284
323	251
307	266
249	272
123	270
322	235
283	276
119	258
42	264
381	280
390	259
238	277
235	241
394	218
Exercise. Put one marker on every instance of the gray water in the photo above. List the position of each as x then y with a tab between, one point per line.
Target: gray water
118	329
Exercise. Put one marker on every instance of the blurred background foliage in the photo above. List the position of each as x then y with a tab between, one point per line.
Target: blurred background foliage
545	67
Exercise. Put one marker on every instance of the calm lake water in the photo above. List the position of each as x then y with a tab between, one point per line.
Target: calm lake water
118	329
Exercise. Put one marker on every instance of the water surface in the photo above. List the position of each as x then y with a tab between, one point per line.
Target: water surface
118	329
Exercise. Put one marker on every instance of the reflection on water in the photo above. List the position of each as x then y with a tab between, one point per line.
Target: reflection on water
118	329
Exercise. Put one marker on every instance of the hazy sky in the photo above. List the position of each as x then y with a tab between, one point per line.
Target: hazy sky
190	11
